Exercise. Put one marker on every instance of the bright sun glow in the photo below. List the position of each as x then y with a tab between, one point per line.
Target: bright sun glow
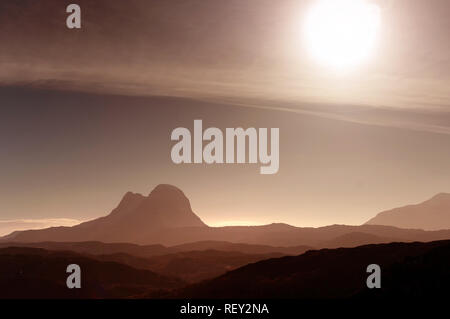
342	33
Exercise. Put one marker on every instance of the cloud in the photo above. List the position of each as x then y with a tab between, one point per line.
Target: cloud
8	226
435	121
178	53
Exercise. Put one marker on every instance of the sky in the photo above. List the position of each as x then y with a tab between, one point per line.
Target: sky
86	115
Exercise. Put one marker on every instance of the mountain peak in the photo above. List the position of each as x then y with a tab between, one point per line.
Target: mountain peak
135	219
130	196
440	197
167	189
169	207
129	202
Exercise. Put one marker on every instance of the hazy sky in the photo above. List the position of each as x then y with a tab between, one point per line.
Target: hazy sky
80	124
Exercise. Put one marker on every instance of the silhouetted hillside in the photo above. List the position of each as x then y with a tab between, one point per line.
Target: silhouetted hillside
96	248
354	239
191	266
36	273
99	248
408	269
240	247
191	262
433	214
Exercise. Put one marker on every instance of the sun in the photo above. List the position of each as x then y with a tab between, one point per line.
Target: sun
342	33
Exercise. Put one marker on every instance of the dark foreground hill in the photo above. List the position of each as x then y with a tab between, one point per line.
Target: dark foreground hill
36	273
408	270
192	262
192	266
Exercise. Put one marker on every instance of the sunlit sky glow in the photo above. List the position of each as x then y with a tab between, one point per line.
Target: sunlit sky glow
342	33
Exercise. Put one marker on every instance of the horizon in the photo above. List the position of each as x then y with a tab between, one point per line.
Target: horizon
37	224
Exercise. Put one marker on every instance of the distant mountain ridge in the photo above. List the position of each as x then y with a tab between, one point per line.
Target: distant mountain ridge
165	217
145	251
432	214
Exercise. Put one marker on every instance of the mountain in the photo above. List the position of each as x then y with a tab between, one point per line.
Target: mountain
407	270
166	207
165	217
37	273
433	214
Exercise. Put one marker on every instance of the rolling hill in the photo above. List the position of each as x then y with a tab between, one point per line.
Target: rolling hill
41	274
407	270
145	251
190	266
191	262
